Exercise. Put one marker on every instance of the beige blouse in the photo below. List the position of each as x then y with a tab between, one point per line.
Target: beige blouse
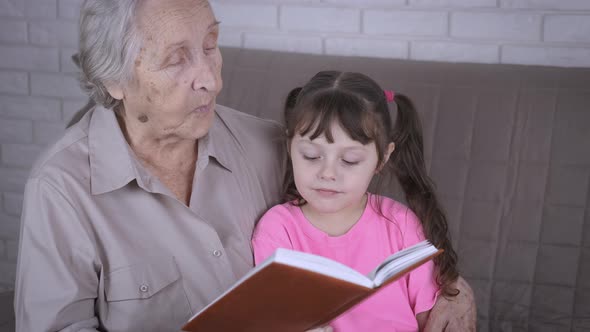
105	246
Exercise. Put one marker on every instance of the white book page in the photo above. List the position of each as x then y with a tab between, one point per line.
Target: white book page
321	265
400	261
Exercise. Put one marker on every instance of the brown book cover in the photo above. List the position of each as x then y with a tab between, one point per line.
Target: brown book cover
283	295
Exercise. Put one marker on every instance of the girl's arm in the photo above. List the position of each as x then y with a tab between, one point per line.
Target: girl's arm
272	232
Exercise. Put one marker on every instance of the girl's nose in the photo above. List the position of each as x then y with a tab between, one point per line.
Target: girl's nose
327	172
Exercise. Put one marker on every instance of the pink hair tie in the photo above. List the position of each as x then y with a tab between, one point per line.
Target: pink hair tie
389	95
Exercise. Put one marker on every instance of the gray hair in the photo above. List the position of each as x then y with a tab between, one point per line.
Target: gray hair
109	44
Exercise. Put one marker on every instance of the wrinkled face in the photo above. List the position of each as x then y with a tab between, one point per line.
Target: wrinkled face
332	177
177	74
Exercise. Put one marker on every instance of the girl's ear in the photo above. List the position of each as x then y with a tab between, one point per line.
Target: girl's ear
289	141
390	148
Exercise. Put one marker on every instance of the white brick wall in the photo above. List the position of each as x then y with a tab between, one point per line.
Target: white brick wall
496	26
31	58
12	82
259	16
19	155
320	19
12	180
13	204
27	107
567	28
284	42
9	225
16	131
551	32
546	4
12	31
454	52
405	23
368	46
39	93
53	33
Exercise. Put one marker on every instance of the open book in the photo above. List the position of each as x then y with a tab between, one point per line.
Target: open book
297	291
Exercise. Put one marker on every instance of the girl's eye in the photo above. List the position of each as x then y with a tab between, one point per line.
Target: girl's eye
349	163
310	157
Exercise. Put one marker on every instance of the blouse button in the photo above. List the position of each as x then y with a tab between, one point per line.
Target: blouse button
143	288
217	253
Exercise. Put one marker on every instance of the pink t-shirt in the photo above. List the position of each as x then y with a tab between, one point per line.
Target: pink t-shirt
363	247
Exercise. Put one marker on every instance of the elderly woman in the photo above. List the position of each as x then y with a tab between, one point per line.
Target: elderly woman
142	213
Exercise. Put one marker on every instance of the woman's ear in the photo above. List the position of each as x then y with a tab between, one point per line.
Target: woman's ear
115	90
390	148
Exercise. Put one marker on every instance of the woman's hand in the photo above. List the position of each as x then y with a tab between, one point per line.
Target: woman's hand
454	314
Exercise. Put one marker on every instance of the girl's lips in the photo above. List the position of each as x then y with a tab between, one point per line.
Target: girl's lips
326	192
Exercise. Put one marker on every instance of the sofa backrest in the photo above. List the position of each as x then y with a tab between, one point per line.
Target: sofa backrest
509	149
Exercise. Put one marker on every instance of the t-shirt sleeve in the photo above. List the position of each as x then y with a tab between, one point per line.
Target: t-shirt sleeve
270	234
422	287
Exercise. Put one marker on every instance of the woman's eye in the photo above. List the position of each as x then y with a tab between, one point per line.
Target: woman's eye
210	48
175	61
210	43
310	157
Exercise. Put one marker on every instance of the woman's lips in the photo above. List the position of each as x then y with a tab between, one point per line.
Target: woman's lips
203	109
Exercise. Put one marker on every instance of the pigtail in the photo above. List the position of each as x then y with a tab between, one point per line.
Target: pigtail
290	192
291	100
409	167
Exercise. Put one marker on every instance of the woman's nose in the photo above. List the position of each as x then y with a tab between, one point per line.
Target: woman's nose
206	76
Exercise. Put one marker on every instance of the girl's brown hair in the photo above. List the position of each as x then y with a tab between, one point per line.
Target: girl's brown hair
359	105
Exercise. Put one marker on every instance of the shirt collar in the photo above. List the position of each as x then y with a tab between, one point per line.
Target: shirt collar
218	144
113	164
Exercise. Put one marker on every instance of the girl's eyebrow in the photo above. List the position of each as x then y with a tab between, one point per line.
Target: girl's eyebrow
307	141
355	148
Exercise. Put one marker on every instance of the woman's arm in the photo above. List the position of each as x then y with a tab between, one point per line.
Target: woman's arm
422	318
56	281
454	314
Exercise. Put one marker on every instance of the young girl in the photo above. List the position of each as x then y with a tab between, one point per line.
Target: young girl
340	137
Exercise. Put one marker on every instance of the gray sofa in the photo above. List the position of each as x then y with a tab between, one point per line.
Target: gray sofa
509	149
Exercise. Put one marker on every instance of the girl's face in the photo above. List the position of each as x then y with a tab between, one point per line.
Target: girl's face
332	177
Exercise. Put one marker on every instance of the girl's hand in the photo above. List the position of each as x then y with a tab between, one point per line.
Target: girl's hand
321	329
